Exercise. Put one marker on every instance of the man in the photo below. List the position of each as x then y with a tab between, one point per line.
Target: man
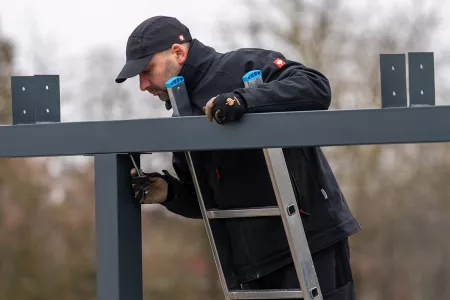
258	255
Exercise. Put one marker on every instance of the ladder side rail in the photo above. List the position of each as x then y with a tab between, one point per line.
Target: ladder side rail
181	106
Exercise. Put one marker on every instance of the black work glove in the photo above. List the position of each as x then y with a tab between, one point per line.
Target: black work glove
225	108
149	188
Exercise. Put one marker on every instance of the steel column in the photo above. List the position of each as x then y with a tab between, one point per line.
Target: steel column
118	230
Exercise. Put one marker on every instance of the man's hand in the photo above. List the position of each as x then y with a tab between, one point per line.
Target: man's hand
225	108
148	188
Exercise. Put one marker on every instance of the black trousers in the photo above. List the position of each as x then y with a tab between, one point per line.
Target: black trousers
332	268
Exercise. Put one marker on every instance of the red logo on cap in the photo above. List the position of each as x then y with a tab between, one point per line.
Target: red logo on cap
181	37
279	62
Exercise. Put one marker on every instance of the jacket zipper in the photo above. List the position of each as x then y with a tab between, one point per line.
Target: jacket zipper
297	193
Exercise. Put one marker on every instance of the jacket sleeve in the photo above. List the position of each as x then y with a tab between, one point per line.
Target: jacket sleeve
288	86
182	197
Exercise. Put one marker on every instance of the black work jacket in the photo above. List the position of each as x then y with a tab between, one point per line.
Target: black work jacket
252	247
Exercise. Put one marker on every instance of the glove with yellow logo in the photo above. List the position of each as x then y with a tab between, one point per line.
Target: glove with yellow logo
225	108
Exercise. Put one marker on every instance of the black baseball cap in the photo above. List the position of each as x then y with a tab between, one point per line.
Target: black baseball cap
151	36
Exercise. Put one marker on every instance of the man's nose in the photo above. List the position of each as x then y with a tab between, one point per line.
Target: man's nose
143	83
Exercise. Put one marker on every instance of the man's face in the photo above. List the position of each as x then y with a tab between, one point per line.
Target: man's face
162	67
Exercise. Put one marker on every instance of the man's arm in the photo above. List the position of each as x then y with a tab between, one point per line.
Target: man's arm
182	197
288	86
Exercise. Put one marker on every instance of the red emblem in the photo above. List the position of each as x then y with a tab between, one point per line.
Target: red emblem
279	62
181	37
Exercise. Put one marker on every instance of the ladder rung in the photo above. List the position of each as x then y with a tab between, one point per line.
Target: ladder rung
243	213
267	294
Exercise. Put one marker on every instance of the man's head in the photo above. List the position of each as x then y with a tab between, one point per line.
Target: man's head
156	51
162	66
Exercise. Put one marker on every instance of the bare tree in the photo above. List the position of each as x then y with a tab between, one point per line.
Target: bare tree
6	57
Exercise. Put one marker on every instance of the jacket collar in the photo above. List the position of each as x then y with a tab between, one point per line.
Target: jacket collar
199	59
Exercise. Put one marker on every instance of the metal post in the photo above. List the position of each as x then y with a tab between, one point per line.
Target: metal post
118	230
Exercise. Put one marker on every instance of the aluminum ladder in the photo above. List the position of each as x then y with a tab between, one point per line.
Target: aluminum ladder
287	209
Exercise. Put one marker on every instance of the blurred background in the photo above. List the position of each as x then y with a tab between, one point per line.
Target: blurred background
399	193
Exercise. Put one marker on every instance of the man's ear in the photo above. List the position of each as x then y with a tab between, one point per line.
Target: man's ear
180	53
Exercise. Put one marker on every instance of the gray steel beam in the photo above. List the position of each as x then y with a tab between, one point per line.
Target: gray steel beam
268	130
118	230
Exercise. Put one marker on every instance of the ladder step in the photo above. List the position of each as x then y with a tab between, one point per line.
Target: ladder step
243	213
267	294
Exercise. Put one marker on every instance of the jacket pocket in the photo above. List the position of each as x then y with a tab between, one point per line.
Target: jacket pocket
316	182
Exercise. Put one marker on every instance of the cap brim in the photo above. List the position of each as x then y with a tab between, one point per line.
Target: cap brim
133	68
